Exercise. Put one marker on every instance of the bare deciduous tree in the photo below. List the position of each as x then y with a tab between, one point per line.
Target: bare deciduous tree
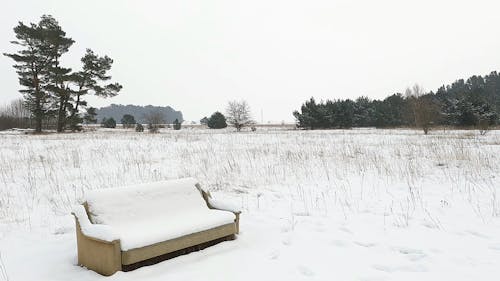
155	120
14	115
483	126
425	112
238	114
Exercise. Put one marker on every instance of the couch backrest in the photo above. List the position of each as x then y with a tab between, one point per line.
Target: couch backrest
141	202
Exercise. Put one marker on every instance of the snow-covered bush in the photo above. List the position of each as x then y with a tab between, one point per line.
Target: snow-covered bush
139	127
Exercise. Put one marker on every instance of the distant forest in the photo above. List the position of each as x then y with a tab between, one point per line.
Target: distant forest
116	111
464	103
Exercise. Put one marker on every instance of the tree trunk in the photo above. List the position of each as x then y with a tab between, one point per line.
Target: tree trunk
74	111
38	123
61	115
38	106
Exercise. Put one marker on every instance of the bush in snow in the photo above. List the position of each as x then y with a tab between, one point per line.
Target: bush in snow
217	121
108	123
128	121
139	127
153	128
177	124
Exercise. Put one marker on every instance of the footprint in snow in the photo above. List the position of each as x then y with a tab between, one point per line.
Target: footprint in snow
274	255
411	254
62	230
365	244
400	268
339	243
306	271
345	229
477	234
286	241
372	278
430	225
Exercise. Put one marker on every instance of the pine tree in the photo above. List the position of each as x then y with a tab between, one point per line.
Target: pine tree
217	121
204	121
177	124
89	80
309	116
48	87
37	64
90	116
58	77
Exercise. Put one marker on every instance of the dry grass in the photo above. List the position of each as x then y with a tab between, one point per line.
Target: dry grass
318	171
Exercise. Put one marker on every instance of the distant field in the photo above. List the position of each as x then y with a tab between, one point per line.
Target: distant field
374	192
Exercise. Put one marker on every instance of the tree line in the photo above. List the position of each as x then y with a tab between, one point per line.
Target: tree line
238	116
154	120
51	90
471	102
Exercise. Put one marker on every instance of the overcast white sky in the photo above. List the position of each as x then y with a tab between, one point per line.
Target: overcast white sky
197	55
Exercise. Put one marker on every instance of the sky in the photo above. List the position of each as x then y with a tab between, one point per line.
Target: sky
197	55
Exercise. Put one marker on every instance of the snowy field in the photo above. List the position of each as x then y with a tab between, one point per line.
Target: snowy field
317	205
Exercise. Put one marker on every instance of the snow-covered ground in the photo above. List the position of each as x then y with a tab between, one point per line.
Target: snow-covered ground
317	205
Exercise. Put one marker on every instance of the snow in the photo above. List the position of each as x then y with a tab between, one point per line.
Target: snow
148	231
150	213
99	231
317	205
221	205
123	204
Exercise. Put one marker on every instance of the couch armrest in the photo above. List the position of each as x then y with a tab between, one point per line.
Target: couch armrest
225	206
98	248
220	205
95	231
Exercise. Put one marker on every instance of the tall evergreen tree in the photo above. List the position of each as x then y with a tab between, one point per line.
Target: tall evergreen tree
41	46
58	77
471	102
48	87
91	80
90	116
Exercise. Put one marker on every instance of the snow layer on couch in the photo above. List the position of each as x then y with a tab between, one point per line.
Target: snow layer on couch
146	214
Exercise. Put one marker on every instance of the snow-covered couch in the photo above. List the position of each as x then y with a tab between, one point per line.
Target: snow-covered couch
125	228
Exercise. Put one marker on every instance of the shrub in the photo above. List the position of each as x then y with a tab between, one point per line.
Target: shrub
177	124
153	128
108	123
139	127
217	121
128	121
